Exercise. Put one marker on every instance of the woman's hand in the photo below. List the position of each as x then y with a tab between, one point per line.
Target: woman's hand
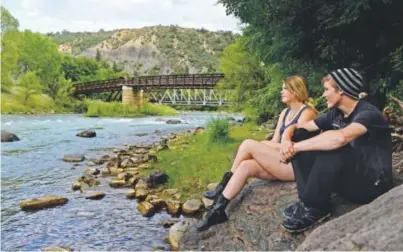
287	152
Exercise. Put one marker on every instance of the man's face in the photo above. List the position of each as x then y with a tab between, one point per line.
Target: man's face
332	95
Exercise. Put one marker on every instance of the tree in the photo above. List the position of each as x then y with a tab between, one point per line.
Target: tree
8	22
9	58
98	56
31	84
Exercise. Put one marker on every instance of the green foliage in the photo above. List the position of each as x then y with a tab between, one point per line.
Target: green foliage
157	110
31	84
98	56
9	58
218	130
8	22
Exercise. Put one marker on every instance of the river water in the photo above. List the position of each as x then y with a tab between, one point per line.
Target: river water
33	167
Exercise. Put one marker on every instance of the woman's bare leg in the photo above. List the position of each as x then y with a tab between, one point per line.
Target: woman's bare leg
242	154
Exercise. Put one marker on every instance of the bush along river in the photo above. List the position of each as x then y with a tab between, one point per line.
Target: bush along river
33	168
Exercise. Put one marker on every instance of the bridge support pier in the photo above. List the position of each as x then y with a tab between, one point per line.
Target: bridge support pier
132	97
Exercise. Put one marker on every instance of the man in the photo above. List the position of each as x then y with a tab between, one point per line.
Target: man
352	156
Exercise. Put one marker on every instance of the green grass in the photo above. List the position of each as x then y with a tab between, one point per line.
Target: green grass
117	109
192	162
218	130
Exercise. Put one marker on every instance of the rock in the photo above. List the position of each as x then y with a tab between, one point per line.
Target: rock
92	171
207	203
198	130
152	158
141	184
57	249
157	177
141	134
191	206
141	193
177	231
87	133
143	166
90	163
96	196
375	226
117	183
89	180
168	223
131	194
212	186
146	209
156	201
162	147
173	207
124	176
7	136
76	186
170	191
127	163
141	151
73	158
157	132
41	203
173	121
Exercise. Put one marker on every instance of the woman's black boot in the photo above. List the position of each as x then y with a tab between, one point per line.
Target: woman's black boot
215	215
212	194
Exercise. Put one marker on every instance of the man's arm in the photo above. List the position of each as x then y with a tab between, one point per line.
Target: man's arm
332	139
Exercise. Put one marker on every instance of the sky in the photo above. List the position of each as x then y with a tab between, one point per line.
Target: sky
92	15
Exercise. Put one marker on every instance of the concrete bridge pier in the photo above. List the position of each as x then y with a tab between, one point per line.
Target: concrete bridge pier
132	96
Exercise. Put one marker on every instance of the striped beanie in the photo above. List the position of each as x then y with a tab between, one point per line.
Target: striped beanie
349	81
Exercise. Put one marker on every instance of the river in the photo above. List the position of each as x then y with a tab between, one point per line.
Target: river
33	167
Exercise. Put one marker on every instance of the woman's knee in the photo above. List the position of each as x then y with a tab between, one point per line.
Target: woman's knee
247	143
248	168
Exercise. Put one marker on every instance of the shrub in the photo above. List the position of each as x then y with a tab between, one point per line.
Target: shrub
218	130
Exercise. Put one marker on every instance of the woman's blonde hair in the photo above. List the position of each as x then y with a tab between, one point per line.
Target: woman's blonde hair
298	85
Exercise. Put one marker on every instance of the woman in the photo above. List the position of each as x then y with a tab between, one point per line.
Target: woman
261	159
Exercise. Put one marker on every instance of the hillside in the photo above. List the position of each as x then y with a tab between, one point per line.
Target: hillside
150	50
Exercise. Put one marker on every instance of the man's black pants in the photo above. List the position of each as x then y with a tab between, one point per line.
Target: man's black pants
319	173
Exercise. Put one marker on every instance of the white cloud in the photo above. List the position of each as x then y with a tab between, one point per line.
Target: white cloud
92	15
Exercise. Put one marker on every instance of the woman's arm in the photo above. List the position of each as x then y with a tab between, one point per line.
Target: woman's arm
276	136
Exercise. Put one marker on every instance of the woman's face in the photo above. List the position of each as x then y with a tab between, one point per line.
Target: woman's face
286	95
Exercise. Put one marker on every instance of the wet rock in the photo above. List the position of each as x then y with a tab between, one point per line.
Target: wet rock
57	249
141	134
117	183
198	130
90	163
141	194
131	194
173	207
89	180
96	196
212	186
87	133
141	184
207	203
146	209
41	203
376	226
191	206
115	171
92	171
7	136
173	121
157	132
168	223
76	186
157	177
73	158
152	158
124	176
126	163
141	151
156	201
176	232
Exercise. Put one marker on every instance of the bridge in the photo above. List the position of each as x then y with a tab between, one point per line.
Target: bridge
184	89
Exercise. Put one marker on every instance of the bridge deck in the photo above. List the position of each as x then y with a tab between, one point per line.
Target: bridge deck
189	81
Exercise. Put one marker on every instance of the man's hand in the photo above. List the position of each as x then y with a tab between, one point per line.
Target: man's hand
287	151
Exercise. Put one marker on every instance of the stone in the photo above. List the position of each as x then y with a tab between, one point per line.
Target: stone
141	194
143	166
57	249
41	203
212	186
92	171
146	209
191	206
73	158
126	163
170	191
131	194
141	184
157	177
124	176
168	223
76	186
162	148
152	158
198	130
173	207
87	133
173	121
96	196
176	232
89	180
117	183
375	226
207	203
156	201
7	136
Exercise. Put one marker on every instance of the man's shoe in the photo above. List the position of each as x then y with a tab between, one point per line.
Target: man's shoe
291	209
304	218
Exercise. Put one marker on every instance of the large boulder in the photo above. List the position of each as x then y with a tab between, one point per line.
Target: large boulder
41	203
375	226
87	133
191	206
173	121
157	177
176	232
146	209
7	136
95	196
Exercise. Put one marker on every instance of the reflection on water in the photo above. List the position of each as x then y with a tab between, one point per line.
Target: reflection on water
33	167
